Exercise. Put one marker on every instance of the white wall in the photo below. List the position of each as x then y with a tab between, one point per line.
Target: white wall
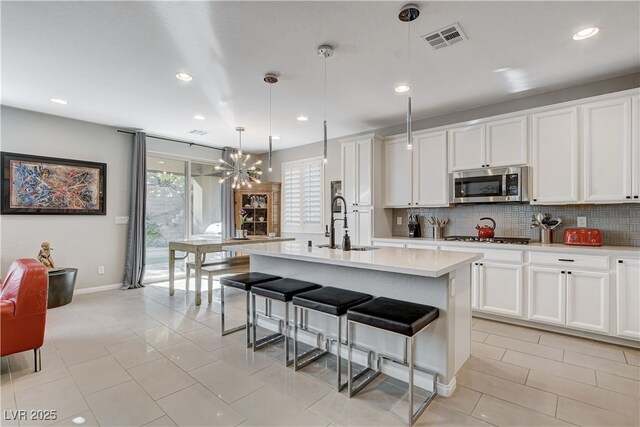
84	241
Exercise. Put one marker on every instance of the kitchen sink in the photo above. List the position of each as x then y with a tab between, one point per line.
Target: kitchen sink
353	248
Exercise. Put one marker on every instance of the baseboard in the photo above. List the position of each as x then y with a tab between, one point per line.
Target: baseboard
93	289
446	390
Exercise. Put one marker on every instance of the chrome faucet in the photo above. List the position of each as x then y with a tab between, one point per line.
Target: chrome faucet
331	232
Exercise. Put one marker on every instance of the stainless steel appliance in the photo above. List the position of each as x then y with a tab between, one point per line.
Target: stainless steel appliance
506	240
490	185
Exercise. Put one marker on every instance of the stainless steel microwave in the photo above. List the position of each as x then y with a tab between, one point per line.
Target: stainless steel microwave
490	185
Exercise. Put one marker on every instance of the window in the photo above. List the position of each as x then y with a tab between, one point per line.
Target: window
302	187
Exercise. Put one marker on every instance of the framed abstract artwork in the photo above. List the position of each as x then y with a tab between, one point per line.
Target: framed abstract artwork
51	186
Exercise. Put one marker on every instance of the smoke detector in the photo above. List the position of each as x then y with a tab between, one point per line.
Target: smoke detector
198	132
446	36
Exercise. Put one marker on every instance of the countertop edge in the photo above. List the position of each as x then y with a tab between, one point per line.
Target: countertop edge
401	270
534	246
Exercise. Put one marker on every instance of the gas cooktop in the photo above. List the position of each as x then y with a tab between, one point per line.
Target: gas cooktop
507	240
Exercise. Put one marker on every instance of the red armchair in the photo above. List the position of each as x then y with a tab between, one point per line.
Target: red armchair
23	307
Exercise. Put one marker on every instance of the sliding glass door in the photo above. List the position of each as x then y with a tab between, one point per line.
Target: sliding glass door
179	209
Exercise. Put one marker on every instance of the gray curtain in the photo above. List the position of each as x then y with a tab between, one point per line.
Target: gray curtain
135	261
227	200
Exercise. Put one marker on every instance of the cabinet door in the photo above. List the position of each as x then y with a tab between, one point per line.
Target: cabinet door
466	148
430	176
555	156
364	160
397	173
607	155
349	172
588	300
361	234
628	298
635	143
475	284
547	295
507	142
500	289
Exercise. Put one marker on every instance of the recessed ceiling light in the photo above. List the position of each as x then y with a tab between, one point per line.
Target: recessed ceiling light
302	118
275	137
586	33
198	117
59	101
185	77
402	88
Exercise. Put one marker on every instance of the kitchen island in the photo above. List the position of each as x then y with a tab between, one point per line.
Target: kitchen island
438	278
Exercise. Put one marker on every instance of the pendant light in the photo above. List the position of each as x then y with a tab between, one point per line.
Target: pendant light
271	78
325	51
238	168
408	13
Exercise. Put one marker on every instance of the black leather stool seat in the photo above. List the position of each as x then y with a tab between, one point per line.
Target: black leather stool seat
283	289
402	317
330	300
246	281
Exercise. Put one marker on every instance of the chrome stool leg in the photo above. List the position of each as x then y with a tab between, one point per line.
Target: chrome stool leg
237	328
37	359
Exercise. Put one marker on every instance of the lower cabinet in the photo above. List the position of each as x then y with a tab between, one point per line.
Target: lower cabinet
575	298
588	300
628	298
499	288
547	295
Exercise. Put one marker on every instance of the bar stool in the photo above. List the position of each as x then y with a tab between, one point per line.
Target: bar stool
243	282
279	290
330	301
403	318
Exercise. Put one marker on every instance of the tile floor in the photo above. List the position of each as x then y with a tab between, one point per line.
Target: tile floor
141	357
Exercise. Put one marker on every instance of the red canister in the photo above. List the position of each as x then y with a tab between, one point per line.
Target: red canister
582	237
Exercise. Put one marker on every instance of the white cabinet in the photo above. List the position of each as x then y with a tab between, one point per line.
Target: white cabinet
588	300
417	177
607	151
555	156
357	171
398	173
500	288
628	298
635	143
430	181
360	226
466	148
475	284
506	143
547	295
497	143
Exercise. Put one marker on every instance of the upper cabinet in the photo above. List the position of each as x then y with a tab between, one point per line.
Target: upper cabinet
635	141
506	143
466	148
555	156
417	177
357	171
607	151
398	173
430	176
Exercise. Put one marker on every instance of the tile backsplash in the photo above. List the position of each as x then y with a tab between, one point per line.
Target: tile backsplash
619	224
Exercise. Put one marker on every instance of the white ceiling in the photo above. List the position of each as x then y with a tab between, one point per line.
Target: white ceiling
115	62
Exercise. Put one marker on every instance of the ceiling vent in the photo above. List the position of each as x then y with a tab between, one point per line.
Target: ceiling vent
445	36
198	132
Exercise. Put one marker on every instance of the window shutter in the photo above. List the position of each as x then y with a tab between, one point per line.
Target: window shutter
302	185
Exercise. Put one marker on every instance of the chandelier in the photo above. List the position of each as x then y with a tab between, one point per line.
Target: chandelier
239	170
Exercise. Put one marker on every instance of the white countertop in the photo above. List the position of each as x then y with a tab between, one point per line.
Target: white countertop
534	246
417	262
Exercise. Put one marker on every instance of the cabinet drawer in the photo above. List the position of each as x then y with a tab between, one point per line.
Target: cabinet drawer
490	254
568	260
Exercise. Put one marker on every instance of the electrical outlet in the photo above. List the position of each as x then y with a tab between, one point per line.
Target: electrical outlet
101	269
582	221
121	220
399	220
